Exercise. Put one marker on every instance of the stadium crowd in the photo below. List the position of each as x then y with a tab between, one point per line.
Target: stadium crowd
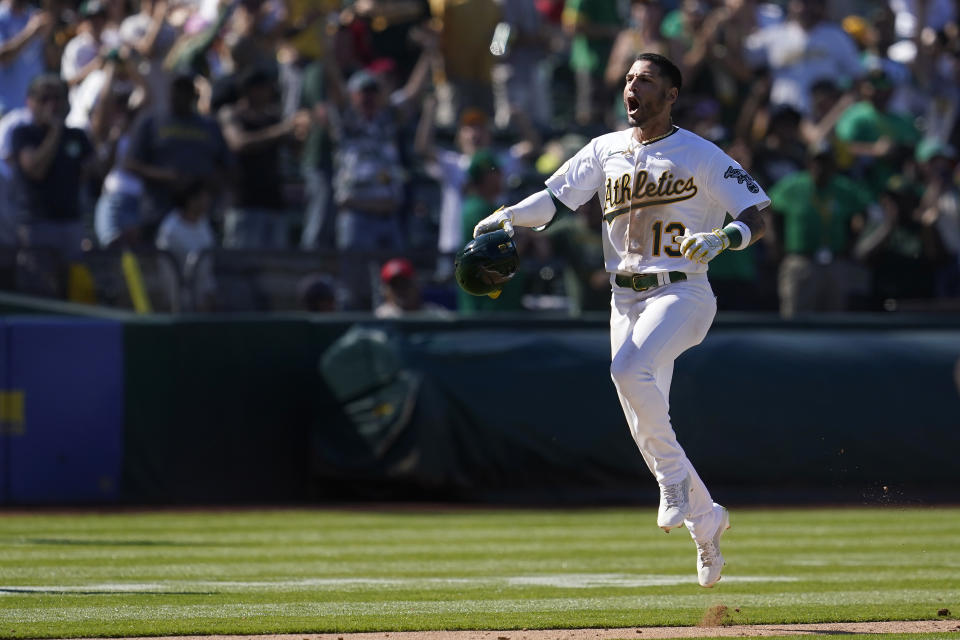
379	131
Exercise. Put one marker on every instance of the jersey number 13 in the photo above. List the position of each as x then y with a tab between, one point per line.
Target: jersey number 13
670	232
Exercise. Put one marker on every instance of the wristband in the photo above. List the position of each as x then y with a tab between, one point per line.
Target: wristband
739	234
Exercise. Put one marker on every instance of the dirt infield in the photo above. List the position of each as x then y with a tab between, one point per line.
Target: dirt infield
660	633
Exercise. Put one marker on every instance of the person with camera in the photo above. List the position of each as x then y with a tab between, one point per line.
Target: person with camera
51	163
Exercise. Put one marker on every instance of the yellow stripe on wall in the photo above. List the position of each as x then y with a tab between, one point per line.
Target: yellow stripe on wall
134	278
12	412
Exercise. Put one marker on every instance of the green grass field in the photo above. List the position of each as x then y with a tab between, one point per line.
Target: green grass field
314	571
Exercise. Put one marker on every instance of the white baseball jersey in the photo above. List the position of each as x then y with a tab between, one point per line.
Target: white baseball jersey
652	193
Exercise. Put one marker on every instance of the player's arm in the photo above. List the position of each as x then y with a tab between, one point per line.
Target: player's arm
534	211
576	181
753	219
747	228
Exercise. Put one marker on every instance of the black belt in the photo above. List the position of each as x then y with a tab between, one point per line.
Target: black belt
644	281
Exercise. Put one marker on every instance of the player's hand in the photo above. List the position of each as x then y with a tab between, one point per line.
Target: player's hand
703	247
502	218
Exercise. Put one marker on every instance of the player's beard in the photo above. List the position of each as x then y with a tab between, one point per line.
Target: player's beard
646	111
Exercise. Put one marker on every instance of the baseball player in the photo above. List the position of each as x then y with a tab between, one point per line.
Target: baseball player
665	194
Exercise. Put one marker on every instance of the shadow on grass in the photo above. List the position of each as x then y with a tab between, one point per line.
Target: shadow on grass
71	592
86	542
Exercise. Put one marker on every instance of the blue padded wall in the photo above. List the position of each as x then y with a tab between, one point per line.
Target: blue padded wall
67	377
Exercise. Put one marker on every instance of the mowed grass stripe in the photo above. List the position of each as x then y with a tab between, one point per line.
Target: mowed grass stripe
593	582
244	568
358	525
53	542
466	606
810	557
477	539
453	565
561	582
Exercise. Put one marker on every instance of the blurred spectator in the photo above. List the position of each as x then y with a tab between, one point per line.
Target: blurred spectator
876	37
821	211
252	35
170	150
705	121
519	83
482	196
737	277
317	293
910	13
880	140
939	213
117	217
483	191
804	49
642	34
51	162
680	25
390	23
466	30
827	104
124	77
551	10
8	209
150	34
316	159
323	85
401	292
449	168
893	245
720	48
781	151
86	50
23	29
197	51
311	29
578	242
117	10
186	233
404	96
708	45
694	37
755	109
255	131
368	183
593	25
352	46
936	71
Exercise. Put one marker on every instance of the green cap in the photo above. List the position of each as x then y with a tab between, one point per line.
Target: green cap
482	163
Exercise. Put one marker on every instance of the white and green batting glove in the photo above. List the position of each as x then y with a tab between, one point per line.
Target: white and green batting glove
502	218
703	247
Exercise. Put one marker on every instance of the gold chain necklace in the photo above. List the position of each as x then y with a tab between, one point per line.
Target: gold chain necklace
660	137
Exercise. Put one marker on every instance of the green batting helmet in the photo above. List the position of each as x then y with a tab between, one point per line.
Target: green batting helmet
486	263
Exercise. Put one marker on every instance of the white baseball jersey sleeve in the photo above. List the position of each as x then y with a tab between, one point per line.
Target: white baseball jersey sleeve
652	193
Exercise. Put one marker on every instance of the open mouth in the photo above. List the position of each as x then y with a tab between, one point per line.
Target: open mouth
633	105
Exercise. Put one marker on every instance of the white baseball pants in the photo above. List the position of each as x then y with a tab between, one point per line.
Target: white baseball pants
648	331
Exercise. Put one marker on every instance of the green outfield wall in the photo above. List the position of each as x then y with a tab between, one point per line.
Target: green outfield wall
296	408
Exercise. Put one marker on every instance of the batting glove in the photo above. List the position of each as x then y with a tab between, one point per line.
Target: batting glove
500	219
703	247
